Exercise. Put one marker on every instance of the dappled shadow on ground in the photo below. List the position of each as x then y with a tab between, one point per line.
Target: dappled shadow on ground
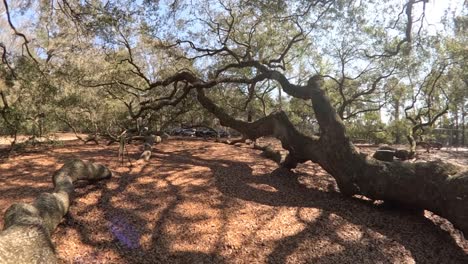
202	202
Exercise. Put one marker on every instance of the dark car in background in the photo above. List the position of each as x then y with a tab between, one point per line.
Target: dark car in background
190	132
203	132
175	132
186	132
199	132
223	133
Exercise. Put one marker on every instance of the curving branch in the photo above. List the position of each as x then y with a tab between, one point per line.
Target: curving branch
131	61
426	112
435	186
408	10
17	33
276	124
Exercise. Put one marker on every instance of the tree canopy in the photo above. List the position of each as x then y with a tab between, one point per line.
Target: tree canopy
111	62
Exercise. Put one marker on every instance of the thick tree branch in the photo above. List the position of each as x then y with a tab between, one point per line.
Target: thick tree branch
276	124
444	192
26	235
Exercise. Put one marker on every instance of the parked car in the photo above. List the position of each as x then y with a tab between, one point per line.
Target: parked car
204	132
176	131
188	132
223	133
200	133
211	133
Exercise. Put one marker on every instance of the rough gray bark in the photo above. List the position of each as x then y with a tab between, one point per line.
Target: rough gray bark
28	227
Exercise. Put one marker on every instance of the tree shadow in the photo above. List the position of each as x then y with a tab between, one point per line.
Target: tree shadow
22	182
426	242
125	227
139	216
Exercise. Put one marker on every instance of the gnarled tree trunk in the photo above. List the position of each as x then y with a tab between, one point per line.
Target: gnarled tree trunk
435	186
28	227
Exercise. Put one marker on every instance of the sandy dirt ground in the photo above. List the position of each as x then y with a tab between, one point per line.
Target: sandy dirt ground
5	140
204	202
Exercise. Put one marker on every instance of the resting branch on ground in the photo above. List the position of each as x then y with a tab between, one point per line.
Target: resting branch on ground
26	235
149	141
436	186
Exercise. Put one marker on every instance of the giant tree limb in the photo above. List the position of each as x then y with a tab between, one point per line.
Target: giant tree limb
26	235
276	124
435	186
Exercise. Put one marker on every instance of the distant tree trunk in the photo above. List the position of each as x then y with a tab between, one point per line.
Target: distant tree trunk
41	125
280	99
435	186
249	114
14	135
457	136
412	143
26	235
463	125
397	119
12	123
418	127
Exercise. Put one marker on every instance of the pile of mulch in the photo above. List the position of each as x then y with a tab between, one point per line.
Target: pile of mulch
206	202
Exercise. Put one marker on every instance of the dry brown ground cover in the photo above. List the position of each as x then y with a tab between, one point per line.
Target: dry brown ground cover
206	202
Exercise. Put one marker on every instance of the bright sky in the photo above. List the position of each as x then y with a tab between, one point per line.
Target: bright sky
435	10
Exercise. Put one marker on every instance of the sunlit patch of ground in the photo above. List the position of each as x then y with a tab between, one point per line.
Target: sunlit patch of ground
206	202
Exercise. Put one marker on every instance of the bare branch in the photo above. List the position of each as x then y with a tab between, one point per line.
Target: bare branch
17	33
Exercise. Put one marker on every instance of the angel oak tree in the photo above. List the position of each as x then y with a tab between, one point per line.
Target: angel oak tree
435	186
